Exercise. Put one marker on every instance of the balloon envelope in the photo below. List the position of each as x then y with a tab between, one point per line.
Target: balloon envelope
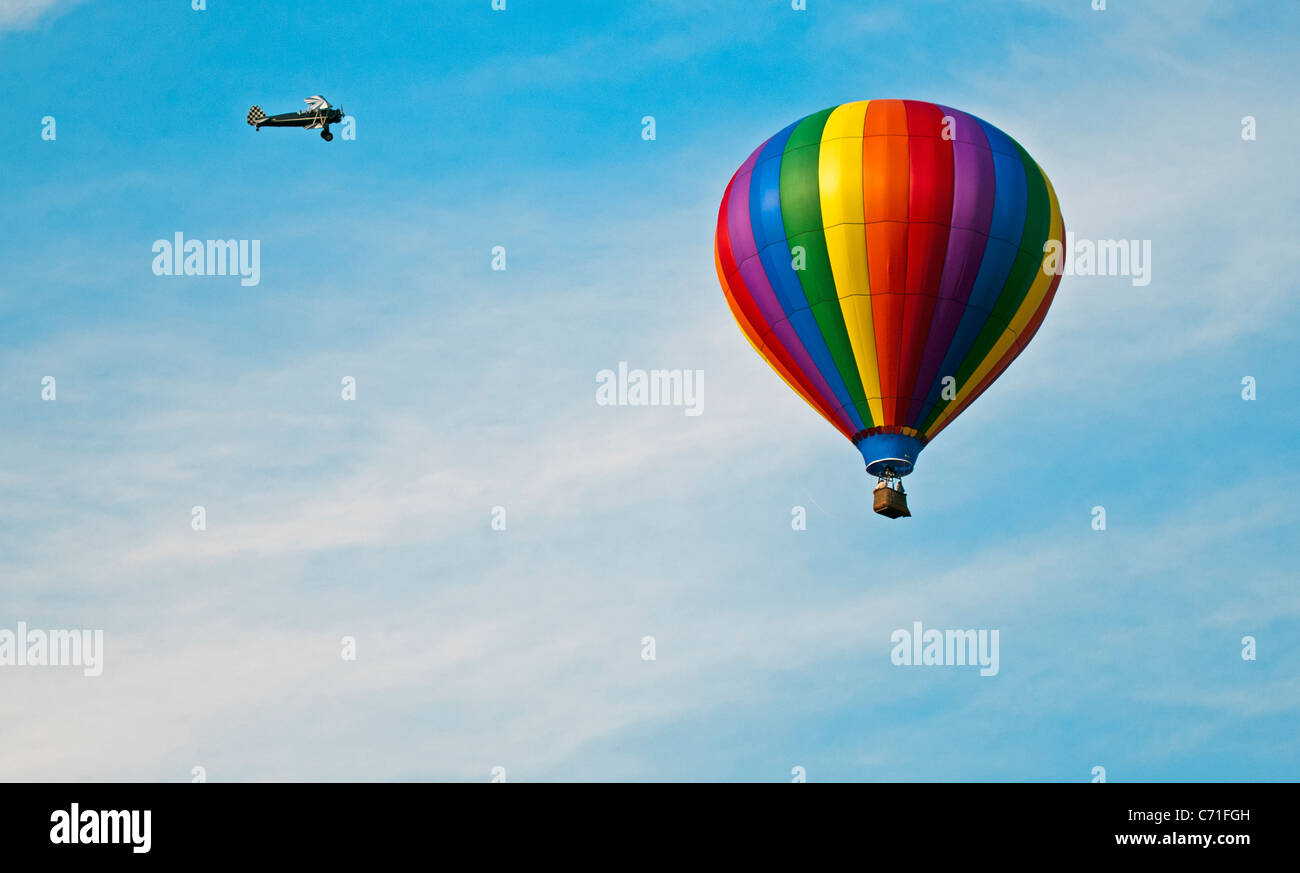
886	257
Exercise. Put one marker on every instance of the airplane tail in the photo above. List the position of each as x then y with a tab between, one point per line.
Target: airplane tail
256	115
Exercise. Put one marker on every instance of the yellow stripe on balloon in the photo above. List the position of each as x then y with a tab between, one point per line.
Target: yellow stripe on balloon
1033	300
839	170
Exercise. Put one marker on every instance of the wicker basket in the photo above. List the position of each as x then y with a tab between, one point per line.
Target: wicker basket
890	502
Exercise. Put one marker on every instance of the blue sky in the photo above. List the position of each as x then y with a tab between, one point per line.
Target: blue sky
522	648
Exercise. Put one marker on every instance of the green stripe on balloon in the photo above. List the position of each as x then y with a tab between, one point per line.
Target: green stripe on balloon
801	213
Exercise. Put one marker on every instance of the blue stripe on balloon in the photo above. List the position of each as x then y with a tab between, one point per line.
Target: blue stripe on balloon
774	253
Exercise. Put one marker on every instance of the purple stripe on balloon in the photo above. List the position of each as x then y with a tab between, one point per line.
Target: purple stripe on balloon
744	248
780	331
742	235
972	214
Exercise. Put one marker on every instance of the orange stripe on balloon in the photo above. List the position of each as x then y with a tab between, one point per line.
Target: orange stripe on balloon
885	169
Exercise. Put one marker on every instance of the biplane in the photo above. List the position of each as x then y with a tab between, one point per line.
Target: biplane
318	115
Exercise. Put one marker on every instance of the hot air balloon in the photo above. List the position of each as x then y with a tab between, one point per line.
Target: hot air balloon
886	258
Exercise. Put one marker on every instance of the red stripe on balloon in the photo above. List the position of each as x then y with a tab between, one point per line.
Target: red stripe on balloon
929	219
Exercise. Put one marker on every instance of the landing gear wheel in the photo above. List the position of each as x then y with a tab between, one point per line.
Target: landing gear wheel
326	135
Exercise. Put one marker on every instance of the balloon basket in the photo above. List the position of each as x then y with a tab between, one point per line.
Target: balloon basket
890	502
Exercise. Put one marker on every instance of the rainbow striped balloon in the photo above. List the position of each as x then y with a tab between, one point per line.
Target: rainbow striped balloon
886	257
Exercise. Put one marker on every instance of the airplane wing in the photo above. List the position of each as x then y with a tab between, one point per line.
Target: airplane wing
287	119
317	102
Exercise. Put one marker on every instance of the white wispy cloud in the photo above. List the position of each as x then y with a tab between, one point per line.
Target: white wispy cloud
16	14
